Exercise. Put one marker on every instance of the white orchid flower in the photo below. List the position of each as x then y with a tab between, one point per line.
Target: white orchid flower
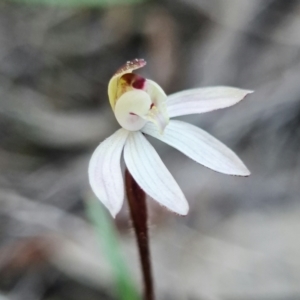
142	107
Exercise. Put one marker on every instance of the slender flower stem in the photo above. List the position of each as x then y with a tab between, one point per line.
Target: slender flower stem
138	210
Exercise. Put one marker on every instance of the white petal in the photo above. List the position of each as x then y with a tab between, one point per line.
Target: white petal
151	174
159	98
156	93
105	174
200	146
202	100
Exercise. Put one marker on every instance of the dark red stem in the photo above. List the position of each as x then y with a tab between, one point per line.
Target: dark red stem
138	210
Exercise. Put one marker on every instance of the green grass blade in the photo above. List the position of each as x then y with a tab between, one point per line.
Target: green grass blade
108	239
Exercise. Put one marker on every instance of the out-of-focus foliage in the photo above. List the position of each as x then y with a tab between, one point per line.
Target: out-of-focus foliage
79	3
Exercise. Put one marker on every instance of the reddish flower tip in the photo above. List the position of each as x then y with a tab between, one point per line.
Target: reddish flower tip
131	65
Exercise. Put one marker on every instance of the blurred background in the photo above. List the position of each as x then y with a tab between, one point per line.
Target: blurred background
240	240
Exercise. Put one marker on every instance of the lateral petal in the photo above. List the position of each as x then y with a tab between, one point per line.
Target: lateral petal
151	174
156	93
158	113
105	174
201	100
200	146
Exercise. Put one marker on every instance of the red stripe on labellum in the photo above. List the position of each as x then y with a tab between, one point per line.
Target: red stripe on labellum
134	80
139	82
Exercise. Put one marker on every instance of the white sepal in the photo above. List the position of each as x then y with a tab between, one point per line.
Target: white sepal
151	174
199	146
201	100
105	174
